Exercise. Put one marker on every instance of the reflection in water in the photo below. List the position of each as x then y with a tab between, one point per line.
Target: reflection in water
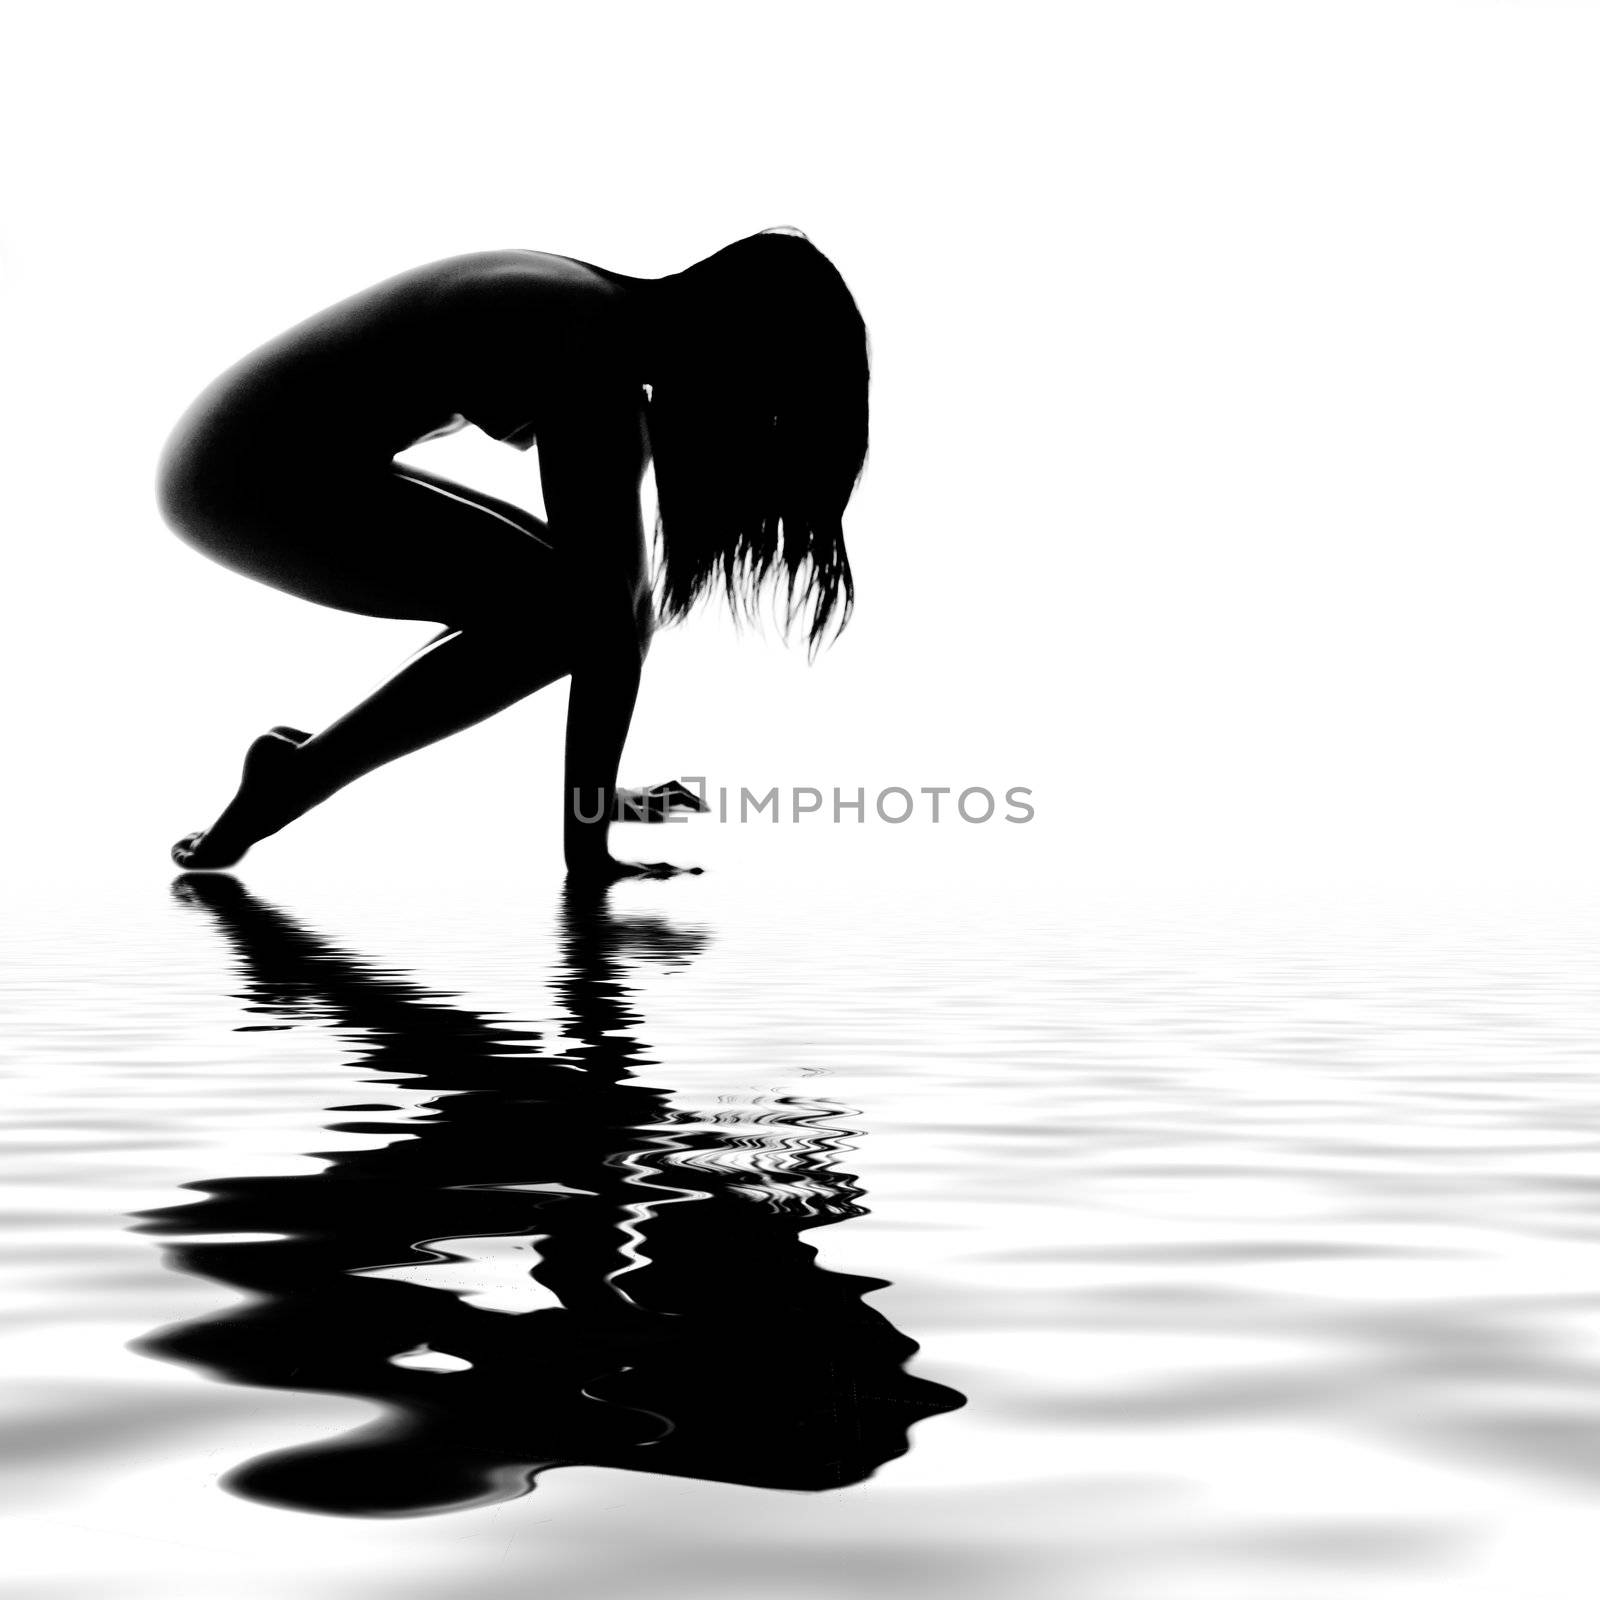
669	1318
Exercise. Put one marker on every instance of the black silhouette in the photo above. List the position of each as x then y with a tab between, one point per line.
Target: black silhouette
284	470
695	1334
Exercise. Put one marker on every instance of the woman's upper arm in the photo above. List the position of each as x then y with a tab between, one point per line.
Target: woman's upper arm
591	463
593	440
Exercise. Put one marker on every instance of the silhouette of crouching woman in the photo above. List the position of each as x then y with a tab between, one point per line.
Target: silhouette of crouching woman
283	470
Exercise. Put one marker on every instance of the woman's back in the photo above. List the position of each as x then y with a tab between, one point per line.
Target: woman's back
486	336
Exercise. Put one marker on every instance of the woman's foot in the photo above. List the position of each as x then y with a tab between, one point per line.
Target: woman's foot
267	800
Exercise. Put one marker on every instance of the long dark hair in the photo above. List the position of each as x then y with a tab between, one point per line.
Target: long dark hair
758	424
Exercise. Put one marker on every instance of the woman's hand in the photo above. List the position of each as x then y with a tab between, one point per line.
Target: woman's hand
657	803
607	869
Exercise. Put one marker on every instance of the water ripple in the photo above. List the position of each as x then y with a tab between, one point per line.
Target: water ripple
1263	1248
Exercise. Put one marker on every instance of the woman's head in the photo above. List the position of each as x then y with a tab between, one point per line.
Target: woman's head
758	421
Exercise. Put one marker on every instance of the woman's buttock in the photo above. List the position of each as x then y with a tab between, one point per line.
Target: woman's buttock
227	452
279	472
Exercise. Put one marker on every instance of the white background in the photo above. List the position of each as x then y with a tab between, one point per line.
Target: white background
1233	481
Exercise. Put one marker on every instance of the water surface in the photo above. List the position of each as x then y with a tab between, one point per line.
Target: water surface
726	1238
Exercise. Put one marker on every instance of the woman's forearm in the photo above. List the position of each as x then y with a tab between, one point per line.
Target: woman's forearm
599	710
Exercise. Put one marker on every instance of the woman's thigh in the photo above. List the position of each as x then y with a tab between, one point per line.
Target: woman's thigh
395	542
